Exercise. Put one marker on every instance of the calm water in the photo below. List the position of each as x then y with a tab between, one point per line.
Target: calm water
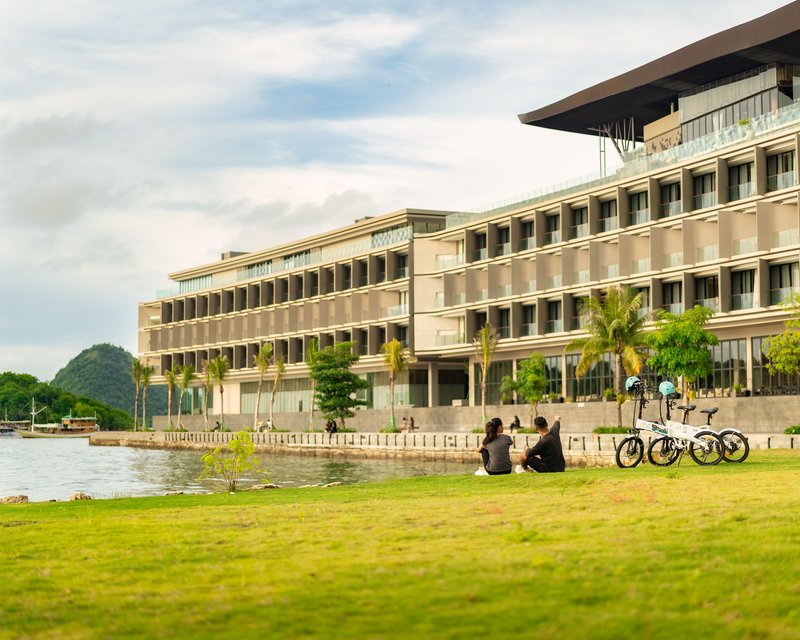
55	469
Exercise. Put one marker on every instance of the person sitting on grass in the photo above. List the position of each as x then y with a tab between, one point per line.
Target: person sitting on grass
494	450
546	456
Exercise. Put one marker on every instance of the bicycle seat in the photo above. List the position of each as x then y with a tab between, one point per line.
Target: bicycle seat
710	411
687	407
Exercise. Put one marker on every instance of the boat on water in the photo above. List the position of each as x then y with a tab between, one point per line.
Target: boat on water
69	427
7	431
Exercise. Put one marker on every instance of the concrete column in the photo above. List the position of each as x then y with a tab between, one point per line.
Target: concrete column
433	384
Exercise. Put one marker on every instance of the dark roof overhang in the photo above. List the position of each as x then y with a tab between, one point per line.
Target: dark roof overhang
646	93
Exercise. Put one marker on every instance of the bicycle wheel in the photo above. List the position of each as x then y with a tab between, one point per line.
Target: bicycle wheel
662	451
710	451
737	448
630	452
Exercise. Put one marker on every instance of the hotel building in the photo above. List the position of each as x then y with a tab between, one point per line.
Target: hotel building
704	210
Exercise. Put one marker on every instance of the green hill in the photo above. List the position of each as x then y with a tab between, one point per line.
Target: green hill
103	373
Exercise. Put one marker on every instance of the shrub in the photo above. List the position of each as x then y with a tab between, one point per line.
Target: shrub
228	463
606	429
390	430
793	430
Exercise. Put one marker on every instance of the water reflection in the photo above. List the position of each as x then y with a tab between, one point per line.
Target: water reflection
54	469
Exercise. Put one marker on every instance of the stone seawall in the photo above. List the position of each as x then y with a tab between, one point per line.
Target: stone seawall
580	450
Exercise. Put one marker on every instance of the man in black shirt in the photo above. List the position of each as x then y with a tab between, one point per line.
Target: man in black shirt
546	455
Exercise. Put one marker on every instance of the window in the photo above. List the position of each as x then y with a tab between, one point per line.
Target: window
645	308
673	297
528	320
552	370
780	171
783	279
503	241
742	288
494	377
554	321
552	229
670	199
480	247
729	367
740	181
639	212
608	215
503	323
527	235
402	266
707	292
766	383
594	382
580	222
705	190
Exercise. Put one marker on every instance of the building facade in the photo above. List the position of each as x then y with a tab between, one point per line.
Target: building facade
703	211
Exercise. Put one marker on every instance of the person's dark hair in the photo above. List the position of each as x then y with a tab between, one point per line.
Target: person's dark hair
491	430
539	422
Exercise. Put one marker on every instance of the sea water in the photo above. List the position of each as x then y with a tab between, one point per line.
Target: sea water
54	469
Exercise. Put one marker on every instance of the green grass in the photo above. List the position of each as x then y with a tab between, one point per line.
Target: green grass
594	553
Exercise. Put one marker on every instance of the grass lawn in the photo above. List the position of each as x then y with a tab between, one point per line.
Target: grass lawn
683	552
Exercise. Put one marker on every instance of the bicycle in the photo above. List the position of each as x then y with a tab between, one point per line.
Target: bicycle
630	450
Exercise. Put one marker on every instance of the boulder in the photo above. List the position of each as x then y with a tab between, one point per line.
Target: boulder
259	487
80	495
14	500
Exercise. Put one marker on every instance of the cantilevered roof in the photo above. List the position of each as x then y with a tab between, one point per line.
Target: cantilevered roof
645	93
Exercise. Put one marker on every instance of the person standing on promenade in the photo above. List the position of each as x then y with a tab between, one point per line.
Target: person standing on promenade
546	456
495	450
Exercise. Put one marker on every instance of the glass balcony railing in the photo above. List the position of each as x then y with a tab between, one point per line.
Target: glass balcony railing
609	271
709	252
580	276
554	326
551	237
785	238
528	329
553	282
674	259
397	310
778	296
709	303
670	209
503	333
579	322
480	254
742	301
780	181
481	294
674	307
459	298
640	265
400	272
438	299
450	260
745	245
580	230
363	280
503	249
741	191
529	286
643	312
607	224
639	217
445	338
704	200
527	243
503	290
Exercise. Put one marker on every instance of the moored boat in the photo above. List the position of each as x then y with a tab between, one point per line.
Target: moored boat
81	427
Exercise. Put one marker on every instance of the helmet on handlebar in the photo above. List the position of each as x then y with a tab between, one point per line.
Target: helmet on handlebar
631	383
666	388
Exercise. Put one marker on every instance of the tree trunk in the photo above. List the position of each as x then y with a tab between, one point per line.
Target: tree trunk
618	361
391	401
483	397
222	406
205	408
136	410
169	407
258	402
272	408
144	408
180	408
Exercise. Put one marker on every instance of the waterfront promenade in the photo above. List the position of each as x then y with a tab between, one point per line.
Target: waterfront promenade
580	450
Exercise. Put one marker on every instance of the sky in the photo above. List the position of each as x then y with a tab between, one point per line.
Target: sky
141	138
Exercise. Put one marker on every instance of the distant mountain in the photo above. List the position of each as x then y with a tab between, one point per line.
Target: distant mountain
103	373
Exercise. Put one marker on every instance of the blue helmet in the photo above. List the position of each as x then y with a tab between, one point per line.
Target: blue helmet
666	388
632	382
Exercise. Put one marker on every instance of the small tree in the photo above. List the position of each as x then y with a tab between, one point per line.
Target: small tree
395	357
681	345
336	387
783	350
186	377
218	368
485	342
171	378
280	369
147	372
311	358
531	382
227	463
208	389
262	361
136	374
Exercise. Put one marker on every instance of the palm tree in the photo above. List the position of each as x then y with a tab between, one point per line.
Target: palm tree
262	360
187	376
136	374
280	367
396	357
485	342
171	378
208	389
311	357
615	326
147	371
218	368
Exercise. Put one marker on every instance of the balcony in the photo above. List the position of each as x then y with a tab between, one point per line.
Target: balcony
449	260
528	329
641	265
780	181
704	200
503	333
607	224
397	310
503	249
671	209
552	237
554	326
481	294
741	191
581	276
785	238
579	322
503	290
579	230
742	301
709	252
709	303
674	259
553	282
363	280
778	296
446	338
400	272
745	245
529	286
527	243
459	298
638	217
643	312
675	308
609	271
438	299
480	254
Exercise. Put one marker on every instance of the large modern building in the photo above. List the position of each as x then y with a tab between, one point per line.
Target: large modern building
703	211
